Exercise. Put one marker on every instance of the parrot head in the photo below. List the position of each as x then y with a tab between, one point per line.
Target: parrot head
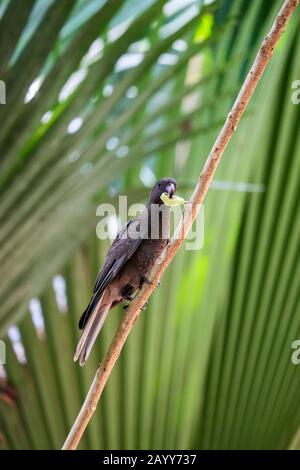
165	186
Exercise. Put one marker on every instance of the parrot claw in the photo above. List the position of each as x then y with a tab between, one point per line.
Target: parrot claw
144	307
145	280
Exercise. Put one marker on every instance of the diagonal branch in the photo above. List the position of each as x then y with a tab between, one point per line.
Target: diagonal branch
103	372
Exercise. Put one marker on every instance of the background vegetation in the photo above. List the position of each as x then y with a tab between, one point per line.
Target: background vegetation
103	98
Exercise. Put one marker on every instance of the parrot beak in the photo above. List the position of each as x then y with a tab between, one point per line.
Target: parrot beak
170	190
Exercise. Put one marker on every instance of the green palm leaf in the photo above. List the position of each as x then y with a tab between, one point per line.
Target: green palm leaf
146	86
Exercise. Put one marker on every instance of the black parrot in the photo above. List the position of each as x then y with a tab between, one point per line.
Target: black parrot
128	263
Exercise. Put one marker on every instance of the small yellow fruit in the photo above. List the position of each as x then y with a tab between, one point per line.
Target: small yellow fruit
175	201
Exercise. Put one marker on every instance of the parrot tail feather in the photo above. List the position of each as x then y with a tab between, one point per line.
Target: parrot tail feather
91	331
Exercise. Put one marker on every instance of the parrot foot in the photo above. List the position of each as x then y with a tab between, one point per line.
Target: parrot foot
145	280
144	307
128	297
127	292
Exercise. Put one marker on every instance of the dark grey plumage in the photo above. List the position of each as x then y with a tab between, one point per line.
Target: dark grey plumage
127	265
